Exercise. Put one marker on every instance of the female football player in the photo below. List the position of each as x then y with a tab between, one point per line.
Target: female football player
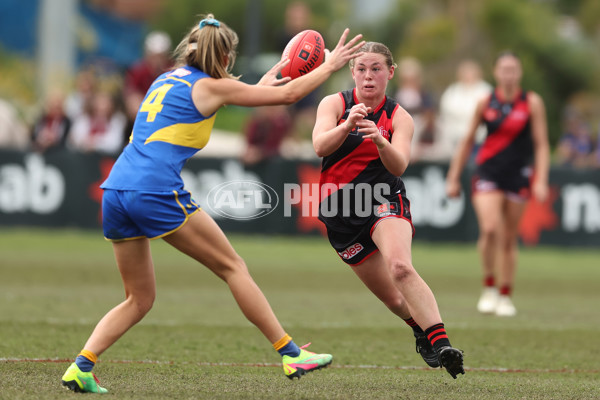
364	138
144	197
516	132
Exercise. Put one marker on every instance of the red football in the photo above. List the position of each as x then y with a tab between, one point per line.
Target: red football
306	51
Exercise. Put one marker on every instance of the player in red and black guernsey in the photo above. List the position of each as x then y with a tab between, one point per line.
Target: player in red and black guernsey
504	178
364	138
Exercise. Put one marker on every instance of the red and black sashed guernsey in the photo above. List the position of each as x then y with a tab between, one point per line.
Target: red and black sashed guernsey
356	162
508	147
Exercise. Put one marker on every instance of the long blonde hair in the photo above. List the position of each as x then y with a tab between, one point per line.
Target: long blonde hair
210	47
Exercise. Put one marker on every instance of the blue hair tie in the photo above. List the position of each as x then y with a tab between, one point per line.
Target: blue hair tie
209	21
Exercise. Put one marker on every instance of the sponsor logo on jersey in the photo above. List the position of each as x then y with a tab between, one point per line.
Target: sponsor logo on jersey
384	132
383	210
520	115
490	114
351	251
180	72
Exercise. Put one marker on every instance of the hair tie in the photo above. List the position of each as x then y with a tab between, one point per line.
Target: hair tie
209	21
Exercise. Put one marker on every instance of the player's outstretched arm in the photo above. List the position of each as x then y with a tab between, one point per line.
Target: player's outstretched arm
270	78
210	94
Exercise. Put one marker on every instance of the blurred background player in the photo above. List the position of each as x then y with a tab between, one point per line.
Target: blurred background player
503	181
364	138
144	196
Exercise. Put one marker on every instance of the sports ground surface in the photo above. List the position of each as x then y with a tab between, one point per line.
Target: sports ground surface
195	343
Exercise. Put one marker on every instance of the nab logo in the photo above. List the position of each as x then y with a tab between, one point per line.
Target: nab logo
351	251
306	50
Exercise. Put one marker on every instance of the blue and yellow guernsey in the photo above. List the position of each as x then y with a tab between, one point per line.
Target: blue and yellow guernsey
168	130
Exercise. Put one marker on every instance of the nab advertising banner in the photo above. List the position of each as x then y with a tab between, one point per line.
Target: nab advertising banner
282	197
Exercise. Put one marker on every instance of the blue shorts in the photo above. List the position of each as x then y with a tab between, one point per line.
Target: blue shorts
132	214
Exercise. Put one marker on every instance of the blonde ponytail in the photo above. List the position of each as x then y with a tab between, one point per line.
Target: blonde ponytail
210	46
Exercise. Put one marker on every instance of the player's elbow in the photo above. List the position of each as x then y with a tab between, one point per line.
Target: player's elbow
397	171
291	97
320	149
397	168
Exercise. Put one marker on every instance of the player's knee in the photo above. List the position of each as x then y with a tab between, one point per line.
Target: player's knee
488	232
401	269
510	243
394	303
142	303
231	267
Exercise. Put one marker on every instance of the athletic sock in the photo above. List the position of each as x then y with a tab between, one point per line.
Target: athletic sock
415	327
286	346
437	336
489	281
86	360
505	290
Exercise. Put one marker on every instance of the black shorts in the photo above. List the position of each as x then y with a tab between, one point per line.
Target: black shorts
515	186
353	241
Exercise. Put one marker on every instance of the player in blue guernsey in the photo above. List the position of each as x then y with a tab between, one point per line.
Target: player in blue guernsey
364	138
144	196
516	136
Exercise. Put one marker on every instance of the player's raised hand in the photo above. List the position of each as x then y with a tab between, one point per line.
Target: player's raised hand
344	52
270	78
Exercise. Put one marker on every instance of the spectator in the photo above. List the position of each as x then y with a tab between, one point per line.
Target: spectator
85	88
420	105
101	128
297	18
575	146
13	133
457	106
51	128
303	113
265	130
595	157
157	59
139	77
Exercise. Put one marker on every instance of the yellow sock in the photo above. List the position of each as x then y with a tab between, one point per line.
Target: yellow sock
89	355
278	345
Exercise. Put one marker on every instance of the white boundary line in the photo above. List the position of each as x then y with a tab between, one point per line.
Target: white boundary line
225	364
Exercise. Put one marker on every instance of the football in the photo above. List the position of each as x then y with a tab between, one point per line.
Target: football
306	51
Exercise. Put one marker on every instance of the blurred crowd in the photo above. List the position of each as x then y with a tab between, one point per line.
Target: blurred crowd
97	114
440	121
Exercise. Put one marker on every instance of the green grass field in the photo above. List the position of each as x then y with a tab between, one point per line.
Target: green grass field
195	343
